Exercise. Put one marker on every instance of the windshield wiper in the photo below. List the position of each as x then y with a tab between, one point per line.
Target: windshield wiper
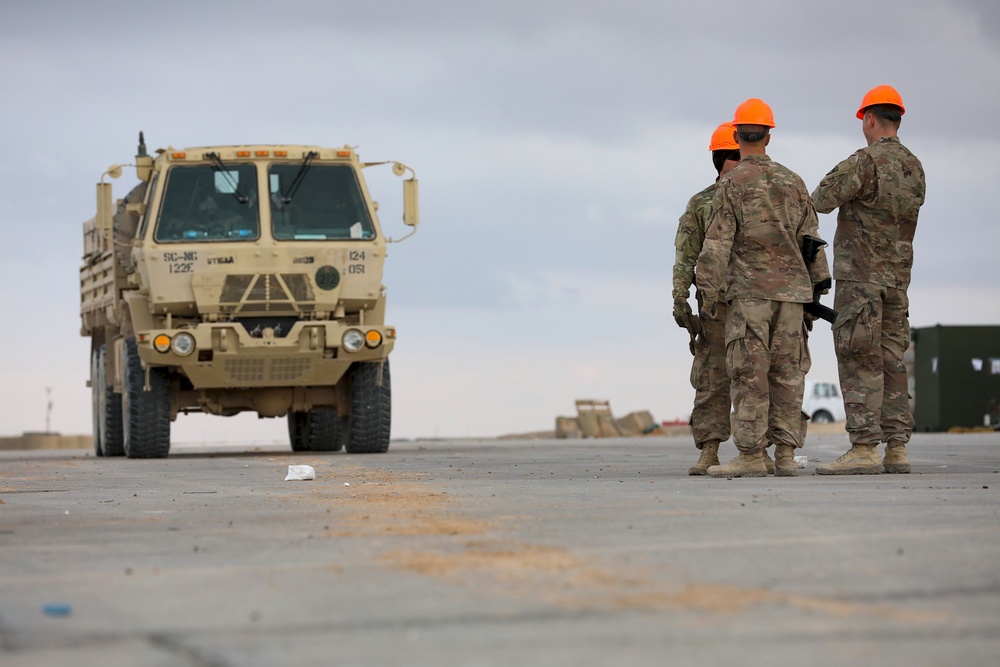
297	181
219	167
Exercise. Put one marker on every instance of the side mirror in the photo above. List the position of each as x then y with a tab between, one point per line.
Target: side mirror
411	212
105	207
411	204
105	211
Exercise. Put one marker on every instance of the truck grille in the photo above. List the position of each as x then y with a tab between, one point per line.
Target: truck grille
242	369
246	370
266	293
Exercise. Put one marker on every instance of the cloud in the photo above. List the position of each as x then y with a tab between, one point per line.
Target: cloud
585	69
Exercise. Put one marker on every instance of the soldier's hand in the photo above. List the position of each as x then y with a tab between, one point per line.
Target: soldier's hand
682	313
808	318
685	318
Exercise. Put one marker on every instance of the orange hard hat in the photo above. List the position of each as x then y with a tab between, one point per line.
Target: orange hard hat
722	138
881	95
754	112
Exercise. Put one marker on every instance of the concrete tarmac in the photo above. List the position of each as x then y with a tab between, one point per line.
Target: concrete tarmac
498	553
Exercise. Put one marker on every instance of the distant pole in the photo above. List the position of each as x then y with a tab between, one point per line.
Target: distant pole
48	410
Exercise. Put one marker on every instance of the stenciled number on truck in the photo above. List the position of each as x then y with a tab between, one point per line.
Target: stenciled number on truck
356	256
180	262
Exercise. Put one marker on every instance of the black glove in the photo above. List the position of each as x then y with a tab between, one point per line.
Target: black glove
682	312
685	318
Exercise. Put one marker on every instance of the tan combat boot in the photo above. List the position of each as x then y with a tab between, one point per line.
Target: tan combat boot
769	462
784	461
859	460
895	457
744	465
709	457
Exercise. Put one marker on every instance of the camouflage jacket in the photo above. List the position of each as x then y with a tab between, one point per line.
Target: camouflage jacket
879	190
690	236
754	239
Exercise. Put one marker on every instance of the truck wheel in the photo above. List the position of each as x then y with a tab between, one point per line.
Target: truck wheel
822	417
107	408
316	430
298	425
370	420
145	414
96	390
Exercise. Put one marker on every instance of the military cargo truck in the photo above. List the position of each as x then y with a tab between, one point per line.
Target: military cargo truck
235	279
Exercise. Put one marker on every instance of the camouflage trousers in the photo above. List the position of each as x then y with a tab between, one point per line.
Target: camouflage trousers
870	335
710	415
767	354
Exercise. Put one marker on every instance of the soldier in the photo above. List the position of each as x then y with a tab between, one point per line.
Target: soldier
879	190
752	258
710	415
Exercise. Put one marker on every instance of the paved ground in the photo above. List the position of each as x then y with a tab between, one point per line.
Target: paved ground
498	553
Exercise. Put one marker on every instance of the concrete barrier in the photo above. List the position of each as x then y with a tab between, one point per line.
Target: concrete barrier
42	440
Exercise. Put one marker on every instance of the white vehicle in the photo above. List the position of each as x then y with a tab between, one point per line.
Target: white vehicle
823	402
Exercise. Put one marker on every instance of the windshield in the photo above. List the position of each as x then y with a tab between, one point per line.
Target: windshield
209	203
317	202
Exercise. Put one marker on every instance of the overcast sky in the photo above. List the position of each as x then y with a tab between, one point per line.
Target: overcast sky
556	145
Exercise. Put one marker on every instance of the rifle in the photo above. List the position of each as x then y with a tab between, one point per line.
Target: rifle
810	247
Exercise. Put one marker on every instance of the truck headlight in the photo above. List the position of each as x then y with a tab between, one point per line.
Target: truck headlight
183	344
353	340
161	343
373	338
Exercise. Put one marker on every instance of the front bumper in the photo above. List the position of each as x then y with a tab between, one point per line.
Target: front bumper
226	355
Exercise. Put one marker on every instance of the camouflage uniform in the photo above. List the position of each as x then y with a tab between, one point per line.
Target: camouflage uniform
710	415
879	190
753	245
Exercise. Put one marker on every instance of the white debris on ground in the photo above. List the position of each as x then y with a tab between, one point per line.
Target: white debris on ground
300	472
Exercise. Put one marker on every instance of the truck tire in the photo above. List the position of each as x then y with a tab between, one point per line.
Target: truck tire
316	430
145	414
822	417
96	396
370	420
107	409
